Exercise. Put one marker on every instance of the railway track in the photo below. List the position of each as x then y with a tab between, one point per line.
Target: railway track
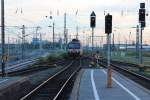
31	70
18	66
56	87
131	65
21	68
142	80
10	67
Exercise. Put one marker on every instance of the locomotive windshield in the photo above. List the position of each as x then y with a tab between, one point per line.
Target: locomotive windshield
74	46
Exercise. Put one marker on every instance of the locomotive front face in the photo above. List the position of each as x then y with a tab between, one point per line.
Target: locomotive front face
73	52
74	49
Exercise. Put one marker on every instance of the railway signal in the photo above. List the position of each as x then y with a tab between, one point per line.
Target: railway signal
142	17
93	25
108	31
93	20
142	23
108	24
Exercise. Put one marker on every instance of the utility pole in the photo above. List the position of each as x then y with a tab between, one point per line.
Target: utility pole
92	39
109	73
8	47
108	31
137	42
101	41
60	41
113	42
141	43
37	29
23	42
77	34
53	35
41	43
77	28
88	42
3	37
118	47
126	44
36	35
129	39
65	36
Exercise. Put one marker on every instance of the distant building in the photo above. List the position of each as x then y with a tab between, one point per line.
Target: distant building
127	47
35	41
45	42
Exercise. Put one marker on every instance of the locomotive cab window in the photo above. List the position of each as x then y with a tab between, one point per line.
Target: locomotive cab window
74	45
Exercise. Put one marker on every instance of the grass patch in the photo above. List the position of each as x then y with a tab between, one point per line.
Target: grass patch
51	58
41	60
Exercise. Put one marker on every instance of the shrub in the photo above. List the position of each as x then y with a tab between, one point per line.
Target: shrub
52	57
41	60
